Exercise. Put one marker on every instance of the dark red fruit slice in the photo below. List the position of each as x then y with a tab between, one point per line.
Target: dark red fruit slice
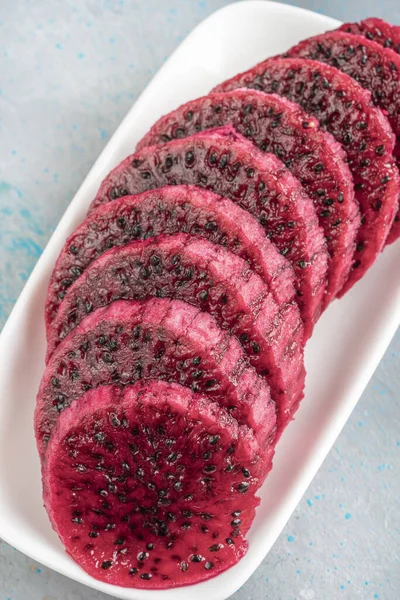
376	68
376	30
279	126
228	164
214	280
169	210
344	109
151	486
161	339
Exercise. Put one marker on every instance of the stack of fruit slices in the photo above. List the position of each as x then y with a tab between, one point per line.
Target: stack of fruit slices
178	311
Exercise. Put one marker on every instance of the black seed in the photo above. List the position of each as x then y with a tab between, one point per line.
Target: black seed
211	226
213	439
168	162
206	516
106	564
244	338
119	541
196	558
325	213
321	192
229	468
229	541
236	522
213	158
77	520
340	198
184	566
377	205
209	565
189	158
55	382
319	167
356	264
93	534
146	576
73	249
215	547
243	487
250	173
246	473
210	469
203	295
142	556
328	202
236	513
302	264
144	272
133	571
171	517
255	347
261	186
177	486
145	174
336	223
385	179
360	246
210	383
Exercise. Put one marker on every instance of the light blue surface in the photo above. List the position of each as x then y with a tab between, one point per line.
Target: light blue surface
69	71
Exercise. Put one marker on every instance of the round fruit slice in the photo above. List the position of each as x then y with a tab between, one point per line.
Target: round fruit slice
376	30
169	210
211	278
344	109
274	124
228	164
374	67
161	339
151	486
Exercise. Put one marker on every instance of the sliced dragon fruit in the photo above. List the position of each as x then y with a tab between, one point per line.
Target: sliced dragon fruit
211	278
151	486
225	162
344	108
161	339
277	125
169	210
377	30
374	67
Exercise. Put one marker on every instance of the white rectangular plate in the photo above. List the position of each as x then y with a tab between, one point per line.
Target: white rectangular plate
344	351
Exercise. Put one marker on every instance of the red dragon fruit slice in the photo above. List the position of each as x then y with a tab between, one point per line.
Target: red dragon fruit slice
374	67
344	109
376	30
151	486
161	339
169	210
228	164
279	126
211	278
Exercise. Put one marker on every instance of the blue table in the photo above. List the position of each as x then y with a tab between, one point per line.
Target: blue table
68	74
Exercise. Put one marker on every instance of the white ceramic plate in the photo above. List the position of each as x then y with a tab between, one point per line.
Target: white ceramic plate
344	351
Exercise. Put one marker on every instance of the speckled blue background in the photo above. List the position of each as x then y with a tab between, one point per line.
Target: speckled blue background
69	71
